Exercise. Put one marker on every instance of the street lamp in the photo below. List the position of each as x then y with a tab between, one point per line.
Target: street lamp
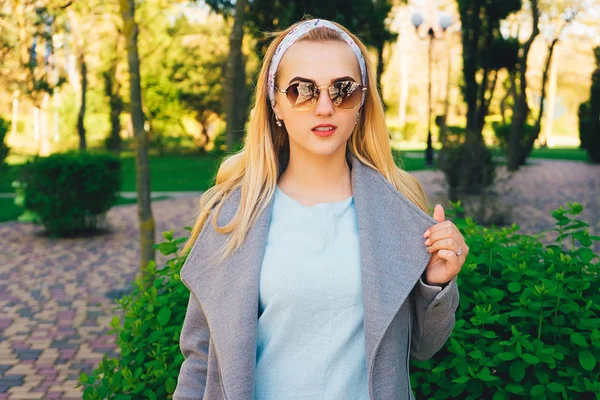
435	31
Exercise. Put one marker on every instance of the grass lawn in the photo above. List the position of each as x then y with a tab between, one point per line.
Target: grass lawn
196	172
174	172
564	153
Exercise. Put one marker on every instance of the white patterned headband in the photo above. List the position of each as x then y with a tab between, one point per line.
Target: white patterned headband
295	34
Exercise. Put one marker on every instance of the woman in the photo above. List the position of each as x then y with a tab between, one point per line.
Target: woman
319	273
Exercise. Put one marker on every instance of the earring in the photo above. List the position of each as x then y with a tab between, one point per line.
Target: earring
357	117
278	122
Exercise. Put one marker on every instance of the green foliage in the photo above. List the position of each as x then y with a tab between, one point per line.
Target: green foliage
502	132
148	335
527	324
4	149
468	166
589	116
484	50
365	18
71	191
184	77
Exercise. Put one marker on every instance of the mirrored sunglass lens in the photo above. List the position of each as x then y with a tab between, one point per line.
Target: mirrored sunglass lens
345	94
302	95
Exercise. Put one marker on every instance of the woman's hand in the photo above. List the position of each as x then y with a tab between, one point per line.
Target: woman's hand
449	250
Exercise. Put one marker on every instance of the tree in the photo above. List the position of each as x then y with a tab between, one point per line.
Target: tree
77	30
197	71
27	63
558	15
589	116
520	109
466	162
146	221
236	99
481	37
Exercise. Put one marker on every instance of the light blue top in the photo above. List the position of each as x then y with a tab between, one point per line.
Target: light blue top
310	338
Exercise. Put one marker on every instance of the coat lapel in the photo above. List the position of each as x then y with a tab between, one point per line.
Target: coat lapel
392	257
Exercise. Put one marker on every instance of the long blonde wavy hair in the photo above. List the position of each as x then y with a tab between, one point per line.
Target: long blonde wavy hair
254	169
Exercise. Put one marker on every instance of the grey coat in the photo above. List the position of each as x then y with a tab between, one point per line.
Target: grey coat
403	317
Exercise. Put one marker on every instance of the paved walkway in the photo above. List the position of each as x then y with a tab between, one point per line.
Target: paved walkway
56	296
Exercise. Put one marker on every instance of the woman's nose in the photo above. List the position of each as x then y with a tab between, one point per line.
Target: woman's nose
324	104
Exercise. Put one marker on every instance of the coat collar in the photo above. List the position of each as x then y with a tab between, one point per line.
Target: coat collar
392	258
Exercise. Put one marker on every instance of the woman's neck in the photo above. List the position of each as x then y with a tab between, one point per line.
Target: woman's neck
312	179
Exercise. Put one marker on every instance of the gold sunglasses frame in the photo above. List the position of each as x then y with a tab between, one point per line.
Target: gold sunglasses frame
362	89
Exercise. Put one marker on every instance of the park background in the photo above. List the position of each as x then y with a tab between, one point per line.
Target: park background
513	117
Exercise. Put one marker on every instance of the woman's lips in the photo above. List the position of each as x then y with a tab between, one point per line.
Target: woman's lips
324	130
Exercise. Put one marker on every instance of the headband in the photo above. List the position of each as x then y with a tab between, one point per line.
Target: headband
295	34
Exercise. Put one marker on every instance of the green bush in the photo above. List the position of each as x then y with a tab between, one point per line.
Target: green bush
467	166
589	116
527	325
502	132
4	149
70	192
148	336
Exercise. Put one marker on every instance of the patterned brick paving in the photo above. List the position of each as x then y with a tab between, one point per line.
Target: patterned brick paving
56	295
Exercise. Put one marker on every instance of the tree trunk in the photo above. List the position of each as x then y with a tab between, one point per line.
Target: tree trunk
111	90
525	150
380	69
235	81
81	116
470	62
548	127
146	221
520	107
79	49
404	77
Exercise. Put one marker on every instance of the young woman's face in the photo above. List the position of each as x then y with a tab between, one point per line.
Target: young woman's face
322	63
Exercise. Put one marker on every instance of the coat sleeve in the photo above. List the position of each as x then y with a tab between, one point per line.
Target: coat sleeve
433	317
193	341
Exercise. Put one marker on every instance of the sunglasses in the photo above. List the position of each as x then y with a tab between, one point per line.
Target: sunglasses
303	96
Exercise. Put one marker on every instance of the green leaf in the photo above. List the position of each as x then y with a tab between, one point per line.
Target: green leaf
537	390
489	334
83	378
517	371
530	359
507	356
586	255
475	354
166	248
149	394
514	287
579	340
115	322
485	376
168	235
90	393
515	389
164	315
587	360
556	387
461	379
170	385
180	240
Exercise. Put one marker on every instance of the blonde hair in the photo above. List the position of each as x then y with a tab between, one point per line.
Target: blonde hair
254	169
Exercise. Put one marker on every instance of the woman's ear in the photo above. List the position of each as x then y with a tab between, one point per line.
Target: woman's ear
276	109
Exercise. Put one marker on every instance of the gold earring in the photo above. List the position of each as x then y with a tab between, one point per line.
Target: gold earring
278	122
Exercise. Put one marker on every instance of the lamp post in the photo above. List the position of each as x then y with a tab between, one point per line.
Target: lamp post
433	32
